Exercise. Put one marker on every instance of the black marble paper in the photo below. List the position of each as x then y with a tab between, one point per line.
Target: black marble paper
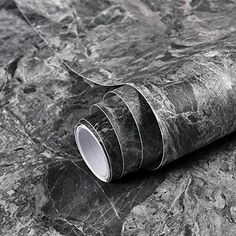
182	50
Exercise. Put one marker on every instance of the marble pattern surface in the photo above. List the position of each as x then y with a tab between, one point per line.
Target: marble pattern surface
146	124
46	189
126	131
183	90
111	42
104	131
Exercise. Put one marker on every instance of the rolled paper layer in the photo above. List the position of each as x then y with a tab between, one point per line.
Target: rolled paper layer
146	124
126	130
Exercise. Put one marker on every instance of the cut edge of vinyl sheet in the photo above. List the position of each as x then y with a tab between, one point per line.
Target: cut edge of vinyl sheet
92	153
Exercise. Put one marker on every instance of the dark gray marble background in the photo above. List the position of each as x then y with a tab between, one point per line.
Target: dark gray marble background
45	188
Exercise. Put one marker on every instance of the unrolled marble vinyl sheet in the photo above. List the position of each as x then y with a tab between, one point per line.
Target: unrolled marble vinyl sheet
174	76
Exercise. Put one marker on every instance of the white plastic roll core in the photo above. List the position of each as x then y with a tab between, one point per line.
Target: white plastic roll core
92	153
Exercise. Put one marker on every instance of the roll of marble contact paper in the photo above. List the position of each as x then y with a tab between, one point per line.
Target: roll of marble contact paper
147	125
173	95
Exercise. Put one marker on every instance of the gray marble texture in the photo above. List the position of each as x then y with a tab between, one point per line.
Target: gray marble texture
191	91
102	128
126	131
146	124
45	188
111	42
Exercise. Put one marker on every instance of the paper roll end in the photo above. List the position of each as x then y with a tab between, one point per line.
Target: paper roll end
92	153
